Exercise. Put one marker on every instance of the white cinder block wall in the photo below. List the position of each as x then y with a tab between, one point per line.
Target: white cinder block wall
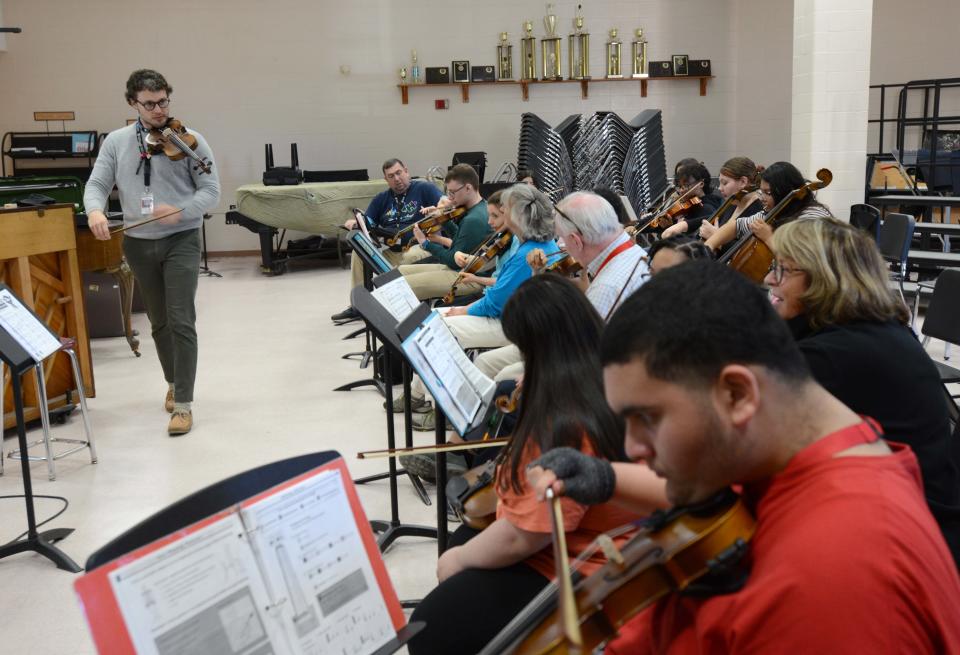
247	72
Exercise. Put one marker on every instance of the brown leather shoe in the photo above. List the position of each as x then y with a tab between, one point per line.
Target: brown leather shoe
180	423
168	401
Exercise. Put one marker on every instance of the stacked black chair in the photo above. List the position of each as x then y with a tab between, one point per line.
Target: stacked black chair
645	166
601	149
542	150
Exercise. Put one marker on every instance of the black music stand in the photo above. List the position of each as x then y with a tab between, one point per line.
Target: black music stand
19	361
215	498
382	323
205	270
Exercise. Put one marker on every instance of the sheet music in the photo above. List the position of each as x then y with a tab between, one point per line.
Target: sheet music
316	569
397	298
25	328
199	591
455	382
359	240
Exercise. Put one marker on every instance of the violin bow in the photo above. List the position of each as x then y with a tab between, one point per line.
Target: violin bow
443	448
568	603
663	212
149	220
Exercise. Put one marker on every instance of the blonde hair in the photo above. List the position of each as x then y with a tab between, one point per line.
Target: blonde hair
846	274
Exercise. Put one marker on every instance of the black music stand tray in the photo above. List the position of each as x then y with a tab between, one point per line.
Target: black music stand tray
19	361
377	379
215	498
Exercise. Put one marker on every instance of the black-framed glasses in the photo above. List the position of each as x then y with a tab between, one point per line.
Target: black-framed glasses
779	270
150	105
453	192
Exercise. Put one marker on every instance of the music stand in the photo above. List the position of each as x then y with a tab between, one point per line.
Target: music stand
216	498
382	323
205	270
20	361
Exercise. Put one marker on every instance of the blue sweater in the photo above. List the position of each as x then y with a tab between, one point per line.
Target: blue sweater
392	212
513	272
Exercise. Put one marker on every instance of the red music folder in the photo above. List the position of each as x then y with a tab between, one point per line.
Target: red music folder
295	569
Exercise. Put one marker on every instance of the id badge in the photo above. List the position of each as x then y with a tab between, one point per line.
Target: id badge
146	204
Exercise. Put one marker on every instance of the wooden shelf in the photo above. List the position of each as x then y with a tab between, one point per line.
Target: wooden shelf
526	84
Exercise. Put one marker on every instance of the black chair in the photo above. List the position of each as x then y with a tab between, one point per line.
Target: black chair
942	320
207	502
867	218
352	175
476	159
896	234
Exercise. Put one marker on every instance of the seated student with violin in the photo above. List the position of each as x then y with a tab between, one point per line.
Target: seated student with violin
497	220
715	393
616	266
164	254
693	182
739	178
776	183
389	212
486	577
432	277
829	283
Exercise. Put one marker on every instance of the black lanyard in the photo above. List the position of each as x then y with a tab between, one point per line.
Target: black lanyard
144	156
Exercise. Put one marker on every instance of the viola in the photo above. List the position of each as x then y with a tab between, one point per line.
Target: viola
753	257
480	257
473	496
176	142
430	225
672	551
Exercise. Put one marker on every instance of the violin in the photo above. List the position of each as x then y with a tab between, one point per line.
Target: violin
753	257
430	225
473	496
176	142
671	552
675	209
483	255
726	204
566	266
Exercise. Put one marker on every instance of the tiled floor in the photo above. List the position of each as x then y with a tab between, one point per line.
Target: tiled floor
270	358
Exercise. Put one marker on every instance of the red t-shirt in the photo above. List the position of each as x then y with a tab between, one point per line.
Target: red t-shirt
846	558
582	524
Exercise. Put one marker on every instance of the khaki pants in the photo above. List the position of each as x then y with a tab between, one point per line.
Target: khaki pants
415	254
434	281
501	364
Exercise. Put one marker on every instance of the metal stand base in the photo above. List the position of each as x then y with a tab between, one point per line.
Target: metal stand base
42	544
389	531
366	382
414	480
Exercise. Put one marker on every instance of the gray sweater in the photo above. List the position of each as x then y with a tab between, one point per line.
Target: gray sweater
171	182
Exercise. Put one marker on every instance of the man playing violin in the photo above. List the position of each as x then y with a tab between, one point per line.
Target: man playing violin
432	277
164	255
714	393
388	212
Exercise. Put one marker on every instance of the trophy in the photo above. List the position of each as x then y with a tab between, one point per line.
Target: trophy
613	56
639	47
528	46
578	50
504	58
415	69
550	48
403	75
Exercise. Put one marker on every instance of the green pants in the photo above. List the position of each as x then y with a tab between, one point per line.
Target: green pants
166	271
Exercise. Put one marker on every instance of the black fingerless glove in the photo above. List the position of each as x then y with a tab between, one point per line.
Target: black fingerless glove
587	480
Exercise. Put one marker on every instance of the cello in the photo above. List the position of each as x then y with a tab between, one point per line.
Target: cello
753	257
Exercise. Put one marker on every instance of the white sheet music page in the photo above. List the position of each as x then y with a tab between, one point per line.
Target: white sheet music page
197	595
397	298
25	328
316	568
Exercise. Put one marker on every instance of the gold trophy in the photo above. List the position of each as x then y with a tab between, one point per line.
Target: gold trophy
578	50
528	53
614	47
639	48
504	58
550	48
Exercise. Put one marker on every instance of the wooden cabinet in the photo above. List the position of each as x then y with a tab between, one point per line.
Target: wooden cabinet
38	261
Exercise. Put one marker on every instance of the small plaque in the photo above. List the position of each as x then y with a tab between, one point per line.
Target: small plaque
483	74
700	67
438	75
461	70
54	116
661	69
681	65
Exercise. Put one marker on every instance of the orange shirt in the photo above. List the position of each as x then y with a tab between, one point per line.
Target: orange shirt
582	523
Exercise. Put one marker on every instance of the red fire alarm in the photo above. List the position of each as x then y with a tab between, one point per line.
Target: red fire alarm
441	104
